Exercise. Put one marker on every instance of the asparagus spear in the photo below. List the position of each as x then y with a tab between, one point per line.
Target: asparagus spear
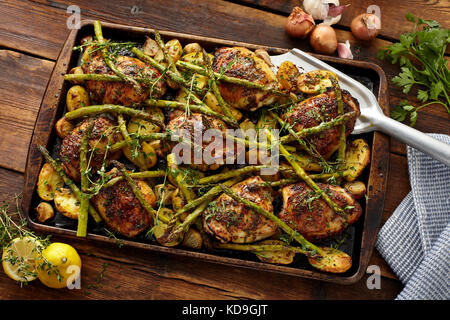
103	77
137	175
110	108
109	63
84	201
213	84
342	128
222	77
137	192
302	174
176	174
196	108
274	251
305	244
129	142
207	197
321	127
58	168
147	137
172	75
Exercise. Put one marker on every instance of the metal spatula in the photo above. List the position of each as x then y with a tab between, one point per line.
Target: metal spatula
372	117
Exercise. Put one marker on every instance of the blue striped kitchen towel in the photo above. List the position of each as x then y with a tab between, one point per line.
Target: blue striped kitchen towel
415	240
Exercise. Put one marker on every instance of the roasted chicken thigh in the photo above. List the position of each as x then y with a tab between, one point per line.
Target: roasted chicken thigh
321	108
229	220
121	210
306	212
204	132
242	63
122	93
103	133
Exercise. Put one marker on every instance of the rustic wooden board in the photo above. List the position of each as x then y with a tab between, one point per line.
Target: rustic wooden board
20	98
38	28
237	22
393	22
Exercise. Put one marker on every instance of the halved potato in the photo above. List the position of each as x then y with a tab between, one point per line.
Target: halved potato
315	82
334	261
48	182
357	157
67	203
44	211
195	57
278	257
356	188
77	97
287	75
174	49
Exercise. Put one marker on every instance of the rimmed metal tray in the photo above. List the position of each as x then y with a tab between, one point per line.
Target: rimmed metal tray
360	237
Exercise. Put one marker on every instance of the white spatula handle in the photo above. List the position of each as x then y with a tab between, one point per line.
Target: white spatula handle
434	148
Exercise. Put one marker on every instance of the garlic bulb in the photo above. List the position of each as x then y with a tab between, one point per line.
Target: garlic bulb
320	10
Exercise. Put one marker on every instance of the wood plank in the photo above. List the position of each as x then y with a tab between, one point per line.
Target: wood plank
168	277
393	22
24	80
236	23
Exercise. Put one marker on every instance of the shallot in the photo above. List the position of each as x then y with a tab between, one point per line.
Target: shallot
323	39
299	24
366	26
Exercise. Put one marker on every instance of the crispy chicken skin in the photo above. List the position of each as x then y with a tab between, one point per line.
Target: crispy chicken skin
189	127
323	107
311	216
242	63
102	134
121	210
229	220
122	93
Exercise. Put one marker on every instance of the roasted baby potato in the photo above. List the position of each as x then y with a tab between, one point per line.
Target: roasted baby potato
195	57
77	97
266	121
44	211
64	127
76	70
143	127
192	239
67	203
174	49
164	193
152	49
276	257
161	231
333	261
48	182
287	75
357	157
315	82
178	201
356	188
145	156
192	47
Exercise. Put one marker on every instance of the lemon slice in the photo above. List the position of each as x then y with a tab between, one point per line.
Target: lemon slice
18	258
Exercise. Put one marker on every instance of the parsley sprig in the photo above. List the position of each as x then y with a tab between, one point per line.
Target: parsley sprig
420	54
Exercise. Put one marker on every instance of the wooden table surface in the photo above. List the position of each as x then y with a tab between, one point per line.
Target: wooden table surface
31	36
